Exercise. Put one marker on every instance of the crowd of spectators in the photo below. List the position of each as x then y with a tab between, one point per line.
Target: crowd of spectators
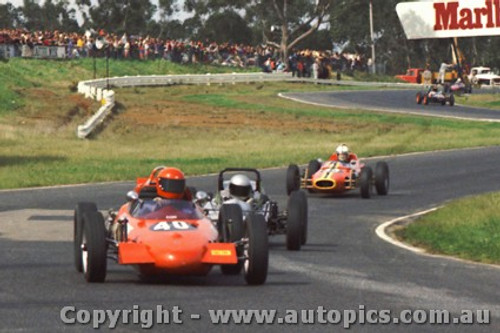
303	63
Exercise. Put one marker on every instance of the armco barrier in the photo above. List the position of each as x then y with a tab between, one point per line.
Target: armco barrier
95	89
108	100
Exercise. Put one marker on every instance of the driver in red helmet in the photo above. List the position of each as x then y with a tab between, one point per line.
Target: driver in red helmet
171	184
166	183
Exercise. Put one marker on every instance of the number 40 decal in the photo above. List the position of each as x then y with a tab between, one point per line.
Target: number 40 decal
171	225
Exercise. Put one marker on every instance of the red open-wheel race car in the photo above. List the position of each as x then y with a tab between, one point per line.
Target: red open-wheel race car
158	235
333	176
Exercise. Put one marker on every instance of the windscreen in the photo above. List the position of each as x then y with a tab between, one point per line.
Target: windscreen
166	209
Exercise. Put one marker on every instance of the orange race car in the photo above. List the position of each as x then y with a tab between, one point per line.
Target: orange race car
160	230
342	172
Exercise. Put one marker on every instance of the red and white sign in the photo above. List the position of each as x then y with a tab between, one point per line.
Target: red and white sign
452	18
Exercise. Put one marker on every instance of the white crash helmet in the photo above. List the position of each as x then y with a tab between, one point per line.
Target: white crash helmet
342	152
240	187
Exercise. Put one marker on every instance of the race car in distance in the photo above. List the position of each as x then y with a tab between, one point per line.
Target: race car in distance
157	235
333	176
458	88
240	195
435	95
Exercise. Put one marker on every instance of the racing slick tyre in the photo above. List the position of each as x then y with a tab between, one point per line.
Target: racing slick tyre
365	179
312	168
292	178
425	100
452	100
256	250
94	249
304	218
294	224
80	209
382	178
443	102
418	98
231	230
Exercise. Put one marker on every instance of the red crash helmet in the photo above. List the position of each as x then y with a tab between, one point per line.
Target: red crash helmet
171	183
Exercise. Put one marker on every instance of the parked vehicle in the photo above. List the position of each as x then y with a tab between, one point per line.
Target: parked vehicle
484	77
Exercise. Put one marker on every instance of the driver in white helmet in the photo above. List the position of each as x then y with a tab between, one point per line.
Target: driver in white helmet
240	187
344	156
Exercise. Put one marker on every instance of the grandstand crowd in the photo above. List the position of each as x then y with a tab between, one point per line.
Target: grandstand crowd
302	63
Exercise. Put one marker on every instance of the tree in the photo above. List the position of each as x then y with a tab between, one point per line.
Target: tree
226	27
350	27
51	16
31	15
9	16
166	9
282	23
130	16
296	20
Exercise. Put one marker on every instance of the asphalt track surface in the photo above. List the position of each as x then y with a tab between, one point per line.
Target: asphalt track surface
344	265
395	101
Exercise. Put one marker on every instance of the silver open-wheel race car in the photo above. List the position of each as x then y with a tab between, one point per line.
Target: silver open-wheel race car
240	196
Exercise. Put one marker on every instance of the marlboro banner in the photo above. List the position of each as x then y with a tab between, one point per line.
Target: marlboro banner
445	19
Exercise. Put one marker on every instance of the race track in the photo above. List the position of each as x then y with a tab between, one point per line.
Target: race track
396	101
344	266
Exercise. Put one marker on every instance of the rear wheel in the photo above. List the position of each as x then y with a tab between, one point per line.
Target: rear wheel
382	178
365	182
452	100
256	250
231	230
292	178
80	209
94	256
418	98
425	100
294	224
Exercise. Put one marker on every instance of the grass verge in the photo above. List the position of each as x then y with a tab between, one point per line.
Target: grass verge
468	228
197	128
489	101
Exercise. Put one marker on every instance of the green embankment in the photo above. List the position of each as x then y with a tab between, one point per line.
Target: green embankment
468	228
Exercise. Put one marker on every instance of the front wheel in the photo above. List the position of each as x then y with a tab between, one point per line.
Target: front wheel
365	179
304	218
292	178
80	209
256	250
425	100
382	178
231	230
452	100
94	249
295	221
312	168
